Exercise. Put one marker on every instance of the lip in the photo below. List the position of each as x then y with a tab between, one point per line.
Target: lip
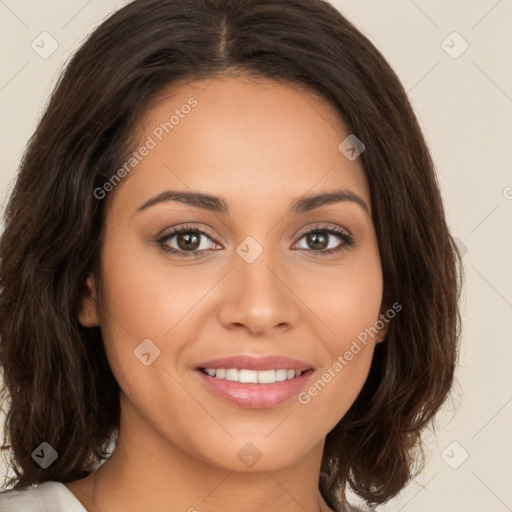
270	362
254	396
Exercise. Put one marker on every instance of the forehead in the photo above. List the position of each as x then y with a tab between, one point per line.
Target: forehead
252	141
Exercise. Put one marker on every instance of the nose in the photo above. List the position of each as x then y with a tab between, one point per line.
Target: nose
258	297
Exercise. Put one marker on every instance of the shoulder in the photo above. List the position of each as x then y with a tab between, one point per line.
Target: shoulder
46	497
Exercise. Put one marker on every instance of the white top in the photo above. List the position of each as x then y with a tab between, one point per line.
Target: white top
46	497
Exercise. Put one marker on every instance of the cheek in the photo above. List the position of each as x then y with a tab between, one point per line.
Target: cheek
350	314
331	394
143	298
348	303
347	300
147	294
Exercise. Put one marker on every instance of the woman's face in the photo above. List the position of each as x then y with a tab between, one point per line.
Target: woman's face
245	280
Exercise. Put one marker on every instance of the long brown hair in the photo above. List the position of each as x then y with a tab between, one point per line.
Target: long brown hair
58	386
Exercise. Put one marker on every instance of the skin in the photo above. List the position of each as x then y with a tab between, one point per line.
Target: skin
259	145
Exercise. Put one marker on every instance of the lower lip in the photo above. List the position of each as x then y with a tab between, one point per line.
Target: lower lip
255	396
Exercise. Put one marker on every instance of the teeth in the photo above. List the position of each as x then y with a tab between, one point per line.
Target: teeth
252	376
247	376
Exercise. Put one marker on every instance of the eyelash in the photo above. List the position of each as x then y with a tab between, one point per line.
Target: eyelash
347	240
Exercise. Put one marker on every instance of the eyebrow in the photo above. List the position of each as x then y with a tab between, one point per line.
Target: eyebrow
219	205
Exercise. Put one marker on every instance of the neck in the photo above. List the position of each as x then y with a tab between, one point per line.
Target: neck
148	472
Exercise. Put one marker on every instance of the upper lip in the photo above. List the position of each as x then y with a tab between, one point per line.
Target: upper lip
271	362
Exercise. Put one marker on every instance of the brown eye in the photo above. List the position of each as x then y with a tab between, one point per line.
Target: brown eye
186	241
323	240
316	240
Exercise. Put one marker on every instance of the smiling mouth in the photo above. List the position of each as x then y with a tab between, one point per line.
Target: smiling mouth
245	376
254	389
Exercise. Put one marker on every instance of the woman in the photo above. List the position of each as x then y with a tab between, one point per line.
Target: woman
227	281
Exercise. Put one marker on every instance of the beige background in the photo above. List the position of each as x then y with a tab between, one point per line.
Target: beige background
464	105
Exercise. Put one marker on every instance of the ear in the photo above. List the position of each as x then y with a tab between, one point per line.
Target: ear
383	319
88	315
382	334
